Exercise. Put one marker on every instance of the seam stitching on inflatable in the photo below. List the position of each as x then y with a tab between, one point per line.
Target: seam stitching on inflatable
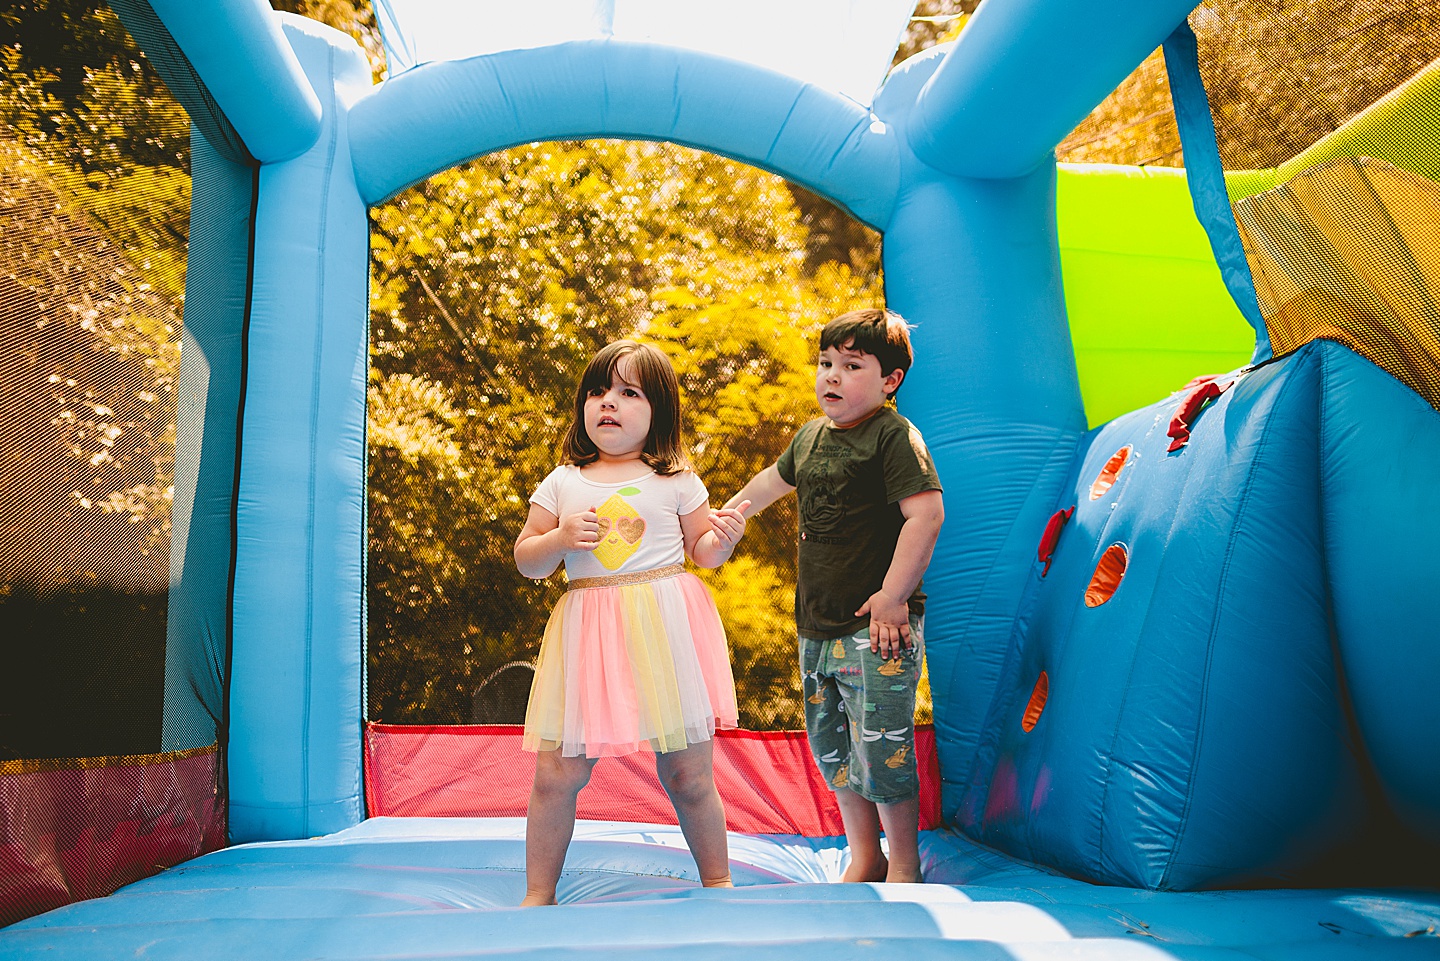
780	131
1150	608
316	373
1220	588
852	139
984	742
504	92
227	678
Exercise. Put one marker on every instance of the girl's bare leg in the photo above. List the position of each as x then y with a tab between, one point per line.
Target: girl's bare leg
862	833
902	830
550	821
688	776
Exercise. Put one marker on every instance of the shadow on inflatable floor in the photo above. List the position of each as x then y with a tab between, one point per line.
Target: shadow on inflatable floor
446	888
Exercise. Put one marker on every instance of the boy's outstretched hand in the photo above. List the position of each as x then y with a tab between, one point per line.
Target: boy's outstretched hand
728	523
889	624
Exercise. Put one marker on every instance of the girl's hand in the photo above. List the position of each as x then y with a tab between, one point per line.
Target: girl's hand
579	531
889	624
728	525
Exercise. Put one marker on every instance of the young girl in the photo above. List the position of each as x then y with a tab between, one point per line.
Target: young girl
634	655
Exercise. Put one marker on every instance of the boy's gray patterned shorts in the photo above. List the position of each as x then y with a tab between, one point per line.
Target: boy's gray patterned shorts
860	713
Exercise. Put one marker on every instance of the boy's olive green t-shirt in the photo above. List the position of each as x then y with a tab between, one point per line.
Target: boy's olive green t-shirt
849	482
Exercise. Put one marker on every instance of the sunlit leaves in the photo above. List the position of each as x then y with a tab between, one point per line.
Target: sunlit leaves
492	284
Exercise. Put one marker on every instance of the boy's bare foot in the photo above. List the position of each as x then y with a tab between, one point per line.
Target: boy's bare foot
722	882
866	870
536	900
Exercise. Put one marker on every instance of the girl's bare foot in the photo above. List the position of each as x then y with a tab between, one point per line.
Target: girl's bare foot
536	900
721	882
899	874
866	870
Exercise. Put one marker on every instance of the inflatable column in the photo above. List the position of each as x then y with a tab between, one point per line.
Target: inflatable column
295	688
972	259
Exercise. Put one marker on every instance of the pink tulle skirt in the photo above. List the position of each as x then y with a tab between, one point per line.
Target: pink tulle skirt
631	667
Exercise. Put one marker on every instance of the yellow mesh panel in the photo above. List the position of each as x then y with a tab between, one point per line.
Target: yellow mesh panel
1349	251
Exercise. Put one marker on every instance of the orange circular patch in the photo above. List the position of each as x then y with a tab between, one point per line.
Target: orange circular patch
1037	703
1108	574
1110	472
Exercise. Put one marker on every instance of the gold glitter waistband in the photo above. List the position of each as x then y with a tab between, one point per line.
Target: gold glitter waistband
620	580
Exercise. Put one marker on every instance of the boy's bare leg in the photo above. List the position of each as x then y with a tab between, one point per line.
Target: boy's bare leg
902	829
550	822
688	776
862	833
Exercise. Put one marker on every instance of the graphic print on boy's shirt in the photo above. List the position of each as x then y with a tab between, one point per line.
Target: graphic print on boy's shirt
823	509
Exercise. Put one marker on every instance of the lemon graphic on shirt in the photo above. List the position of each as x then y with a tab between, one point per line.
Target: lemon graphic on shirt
621	530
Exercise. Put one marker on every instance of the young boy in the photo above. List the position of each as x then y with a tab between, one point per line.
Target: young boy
870	510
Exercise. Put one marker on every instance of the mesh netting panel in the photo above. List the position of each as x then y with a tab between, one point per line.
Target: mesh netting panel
1281	75
492	285
1343	101
1327	116
94	208
1350	251
1134	125
768	782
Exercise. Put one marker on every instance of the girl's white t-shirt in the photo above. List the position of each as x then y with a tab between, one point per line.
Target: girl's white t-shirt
639	518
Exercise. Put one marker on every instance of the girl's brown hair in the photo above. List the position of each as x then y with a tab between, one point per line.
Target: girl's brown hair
652	371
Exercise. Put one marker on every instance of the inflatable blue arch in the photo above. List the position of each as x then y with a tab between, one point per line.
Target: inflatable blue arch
1222	677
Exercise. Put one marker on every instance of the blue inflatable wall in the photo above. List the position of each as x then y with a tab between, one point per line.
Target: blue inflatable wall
1268	650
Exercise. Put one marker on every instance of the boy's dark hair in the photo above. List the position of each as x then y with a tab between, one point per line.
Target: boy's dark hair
880	333
652	371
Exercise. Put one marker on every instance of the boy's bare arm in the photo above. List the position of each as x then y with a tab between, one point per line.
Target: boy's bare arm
889	607
764	489
710	536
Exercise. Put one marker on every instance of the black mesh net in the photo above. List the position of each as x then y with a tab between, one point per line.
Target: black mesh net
1279	76
1338	107
94	209
1326	116
492	285
1282	75
1135	125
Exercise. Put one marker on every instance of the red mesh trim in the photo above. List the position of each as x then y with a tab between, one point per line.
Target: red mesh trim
1051	537
81	832
767	779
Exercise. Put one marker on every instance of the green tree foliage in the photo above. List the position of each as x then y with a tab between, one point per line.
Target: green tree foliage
492	286
95	180
494	282
94	209
77	94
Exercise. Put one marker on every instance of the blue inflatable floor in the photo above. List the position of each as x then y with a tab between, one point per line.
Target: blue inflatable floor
445	888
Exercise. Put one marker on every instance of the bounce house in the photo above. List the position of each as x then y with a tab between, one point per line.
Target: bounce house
1181	637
